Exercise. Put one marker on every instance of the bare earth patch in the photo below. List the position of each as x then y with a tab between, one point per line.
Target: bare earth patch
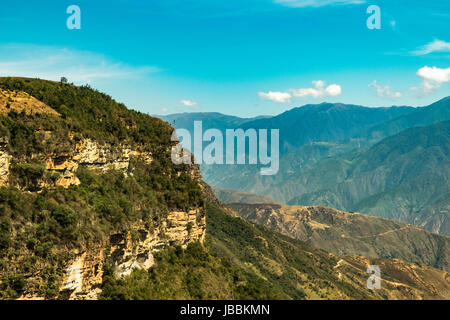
22	101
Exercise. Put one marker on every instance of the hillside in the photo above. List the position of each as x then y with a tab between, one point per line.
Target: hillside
237	196
351	233
245	261
436	112
403	177
88	187
92	207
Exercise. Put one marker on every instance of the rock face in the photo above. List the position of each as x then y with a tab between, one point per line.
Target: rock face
88	153
83	277
5	160
93	156
124	251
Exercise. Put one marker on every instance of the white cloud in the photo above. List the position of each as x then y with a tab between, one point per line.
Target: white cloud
433	78
315	3
79	67
435	46
164	110
385	91
189	103
280	97
318	91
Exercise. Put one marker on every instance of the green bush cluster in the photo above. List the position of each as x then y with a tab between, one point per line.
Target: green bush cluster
94	114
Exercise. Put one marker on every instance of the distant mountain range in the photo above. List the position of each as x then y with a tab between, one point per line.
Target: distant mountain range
379	161
404	177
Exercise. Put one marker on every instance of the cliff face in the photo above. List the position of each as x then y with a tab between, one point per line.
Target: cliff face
84	273
86	152
126	250
39	155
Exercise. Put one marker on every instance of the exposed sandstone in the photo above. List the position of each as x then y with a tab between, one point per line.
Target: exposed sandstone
87	152
83	277
83	274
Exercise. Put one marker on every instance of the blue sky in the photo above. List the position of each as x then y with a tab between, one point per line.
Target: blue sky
240	57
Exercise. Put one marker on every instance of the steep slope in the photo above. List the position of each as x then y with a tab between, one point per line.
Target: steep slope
403	177
436	112
245	261
299	271
87	186
351	233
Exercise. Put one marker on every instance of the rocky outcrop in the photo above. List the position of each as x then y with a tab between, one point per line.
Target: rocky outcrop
87	152
124	251
83	278
5	160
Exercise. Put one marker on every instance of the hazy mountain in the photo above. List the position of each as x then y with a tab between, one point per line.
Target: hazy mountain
310	123
436	112
237	196
329	158
325	122
209	120
404	177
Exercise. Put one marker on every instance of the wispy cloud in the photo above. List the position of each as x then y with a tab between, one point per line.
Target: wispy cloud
385	91
434	46
315	3
280	97
190	103
79	67
318	91
164	110
433	78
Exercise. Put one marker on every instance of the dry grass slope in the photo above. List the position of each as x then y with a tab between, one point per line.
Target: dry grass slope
20	101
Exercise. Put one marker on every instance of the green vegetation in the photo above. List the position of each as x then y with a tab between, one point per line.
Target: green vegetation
38	231
351	234
46	223
238	261
193	273
94	114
